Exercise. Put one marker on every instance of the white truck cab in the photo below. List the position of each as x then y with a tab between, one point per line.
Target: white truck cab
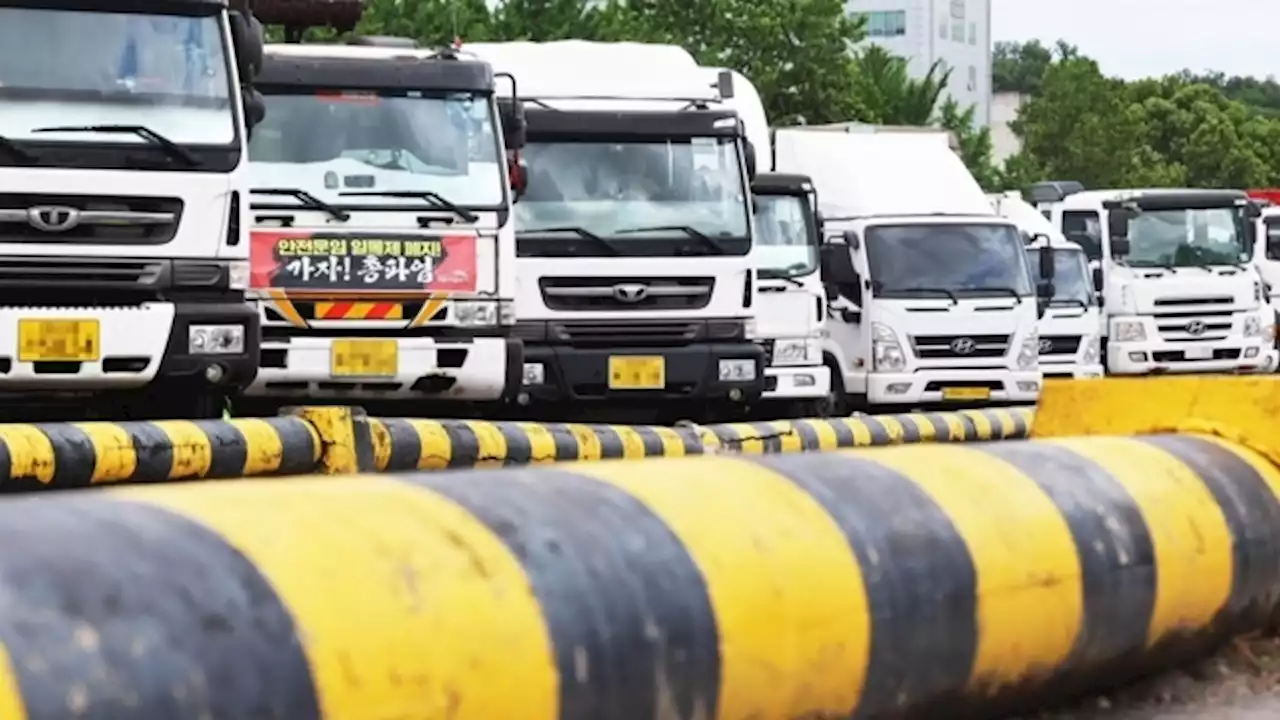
383	243
792	304
934	302
636	280
123	199
1071	327
1172	266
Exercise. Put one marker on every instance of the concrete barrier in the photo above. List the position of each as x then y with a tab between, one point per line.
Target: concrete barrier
338	440
401	444
909	582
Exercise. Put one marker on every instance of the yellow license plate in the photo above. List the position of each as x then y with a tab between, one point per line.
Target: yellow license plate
637	372
966	393
59	340
364	358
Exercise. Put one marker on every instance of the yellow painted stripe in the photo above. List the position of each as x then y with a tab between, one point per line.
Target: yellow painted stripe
981	422
491	444
428	312
12	706
632	441
435	449
672	443
954	426
861	433
588	442
542	444
789	438
285	307
400	595
30	452
1193	545
192	451
265	450
923	426
1006	421
380	439
1030	592
787	592
827	438
114	458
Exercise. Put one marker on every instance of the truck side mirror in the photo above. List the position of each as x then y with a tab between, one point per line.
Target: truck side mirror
1047	266
821	223
1118	220
852	240
1119	246
1045	289
518	170
1097	278
255	108
247	41
837	265
749	151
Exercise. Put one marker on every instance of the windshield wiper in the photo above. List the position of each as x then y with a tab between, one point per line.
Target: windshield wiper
940	291
784	278
694	233
1008	290
791	271
12	148
171	148
307	199
435	199
579	231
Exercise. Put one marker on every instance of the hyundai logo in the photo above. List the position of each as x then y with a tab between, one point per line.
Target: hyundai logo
53	218
963	346
630	292
1195	327
1045	346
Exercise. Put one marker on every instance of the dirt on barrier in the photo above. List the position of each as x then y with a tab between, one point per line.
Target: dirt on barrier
1241	682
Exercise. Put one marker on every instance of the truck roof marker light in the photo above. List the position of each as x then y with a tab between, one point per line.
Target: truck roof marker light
344	96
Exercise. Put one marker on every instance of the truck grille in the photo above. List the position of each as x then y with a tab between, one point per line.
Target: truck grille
624	334
88	219
1059	344
960	346
1197	327
626	293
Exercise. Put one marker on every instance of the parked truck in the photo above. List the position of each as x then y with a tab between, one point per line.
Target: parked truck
383	245
934	299
637	282
1172	266
123	201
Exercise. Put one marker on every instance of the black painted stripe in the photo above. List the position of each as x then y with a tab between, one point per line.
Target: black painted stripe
74	458
230	451
844	434
8	480
464	447
519	445
1252	513
941	430
879	433
1021	426
153	450
653	445
728	437
921	582
810	440
297	444
769	436
406	444
616	587
970	428
692	440
910	431
610	443
566	442
1117	558
151	617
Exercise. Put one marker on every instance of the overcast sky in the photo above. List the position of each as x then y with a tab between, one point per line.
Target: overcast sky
1152	37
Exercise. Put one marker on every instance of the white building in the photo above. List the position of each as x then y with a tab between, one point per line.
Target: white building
955	32
1004	110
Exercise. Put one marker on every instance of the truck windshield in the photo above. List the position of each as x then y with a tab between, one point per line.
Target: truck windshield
785	243
329	142
633	193
168	73
924	260
1071	283
1188	238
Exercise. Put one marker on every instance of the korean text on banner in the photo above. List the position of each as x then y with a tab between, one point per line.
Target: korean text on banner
351	263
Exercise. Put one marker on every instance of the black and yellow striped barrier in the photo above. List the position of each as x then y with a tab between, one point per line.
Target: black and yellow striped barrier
931	581
336	440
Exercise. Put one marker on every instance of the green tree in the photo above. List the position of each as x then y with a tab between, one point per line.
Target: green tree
892	96
541	20
433	23
973	140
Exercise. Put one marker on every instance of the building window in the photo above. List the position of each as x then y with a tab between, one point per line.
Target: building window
973	33
957	9
973	79
892	23
957	30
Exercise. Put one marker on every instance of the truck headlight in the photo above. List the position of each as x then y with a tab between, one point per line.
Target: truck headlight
886	351
1253	326
1029	352
238	275
506	312
476	313
215	339
1092	349
1129	331
796	351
